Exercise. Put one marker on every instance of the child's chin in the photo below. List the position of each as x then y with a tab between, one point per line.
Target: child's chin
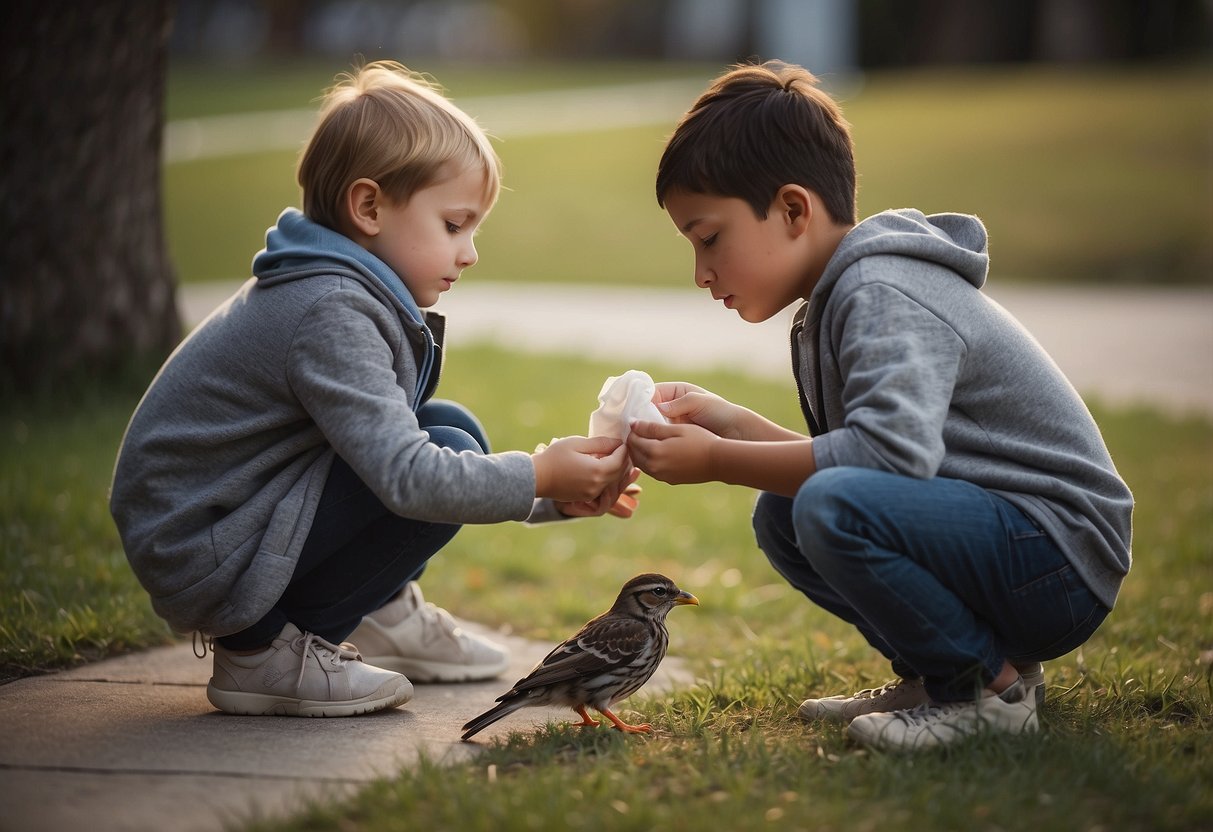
756	315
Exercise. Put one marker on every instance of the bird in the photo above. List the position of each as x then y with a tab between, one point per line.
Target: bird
608	660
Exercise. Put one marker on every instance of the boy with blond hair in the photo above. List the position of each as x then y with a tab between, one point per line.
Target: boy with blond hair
288	473
953	499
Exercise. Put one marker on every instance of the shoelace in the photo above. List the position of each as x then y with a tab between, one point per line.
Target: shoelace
435	622
928	711
309	643
207	643
872	693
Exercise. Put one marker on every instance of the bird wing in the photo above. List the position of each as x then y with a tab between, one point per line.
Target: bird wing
602	644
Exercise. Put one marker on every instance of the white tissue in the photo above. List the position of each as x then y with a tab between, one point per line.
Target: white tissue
624	399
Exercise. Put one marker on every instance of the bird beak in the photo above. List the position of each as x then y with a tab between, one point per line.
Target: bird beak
686	598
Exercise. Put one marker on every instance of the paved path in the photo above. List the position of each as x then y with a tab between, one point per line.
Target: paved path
131	743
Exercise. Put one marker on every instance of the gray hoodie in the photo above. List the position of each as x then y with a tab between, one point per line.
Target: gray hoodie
224	460
905	366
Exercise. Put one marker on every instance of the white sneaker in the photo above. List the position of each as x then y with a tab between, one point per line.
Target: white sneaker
929	726
301	674
894	696
426	643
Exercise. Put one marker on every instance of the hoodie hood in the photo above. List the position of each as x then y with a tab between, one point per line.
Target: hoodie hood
955	241
296	247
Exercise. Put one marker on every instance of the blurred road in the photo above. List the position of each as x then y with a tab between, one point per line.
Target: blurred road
1119	346
541	112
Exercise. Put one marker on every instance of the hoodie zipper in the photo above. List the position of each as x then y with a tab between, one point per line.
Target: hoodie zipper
794	338
435	332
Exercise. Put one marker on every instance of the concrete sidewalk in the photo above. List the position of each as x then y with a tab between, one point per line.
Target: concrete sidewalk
132	743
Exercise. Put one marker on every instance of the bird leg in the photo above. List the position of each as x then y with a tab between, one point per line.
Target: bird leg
586	721
623	726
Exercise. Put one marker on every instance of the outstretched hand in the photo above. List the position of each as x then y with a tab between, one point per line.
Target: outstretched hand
579	469
686	404
674	453
620	501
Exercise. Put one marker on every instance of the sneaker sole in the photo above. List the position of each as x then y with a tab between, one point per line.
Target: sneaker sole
262	704
423	671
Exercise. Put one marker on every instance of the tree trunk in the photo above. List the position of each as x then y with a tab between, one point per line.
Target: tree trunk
85	280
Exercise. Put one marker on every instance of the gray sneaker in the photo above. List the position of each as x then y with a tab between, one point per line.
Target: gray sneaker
933	725
894	696
301	674
426	643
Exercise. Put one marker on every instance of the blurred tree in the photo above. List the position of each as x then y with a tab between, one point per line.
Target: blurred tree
920	32
287	21
85	280
574	29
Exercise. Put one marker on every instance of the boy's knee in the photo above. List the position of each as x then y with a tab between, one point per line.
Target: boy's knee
438	416
771	521
825	502
456	439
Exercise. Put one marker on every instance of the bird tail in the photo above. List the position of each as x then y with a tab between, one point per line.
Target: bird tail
490	716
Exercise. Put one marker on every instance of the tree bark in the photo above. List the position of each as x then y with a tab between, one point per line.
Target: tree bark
86	285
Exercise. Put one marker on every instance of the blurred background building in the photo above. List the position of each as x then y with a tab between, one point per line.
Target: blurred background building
831	37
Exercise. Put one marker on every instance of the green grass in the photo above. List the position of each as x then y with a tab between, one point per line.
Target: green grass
1081	175
67	594
1128	733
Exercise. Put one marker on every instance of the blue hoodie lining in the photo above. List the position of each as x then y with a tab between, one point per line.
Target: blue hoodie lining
298	247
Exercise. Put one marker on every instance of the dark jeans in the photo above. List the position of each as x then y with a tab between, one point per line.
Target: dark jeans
359	554
944	578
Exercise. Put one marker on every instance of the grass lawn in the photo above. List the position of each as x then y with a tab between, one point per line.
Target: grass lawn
1127	734
1081	175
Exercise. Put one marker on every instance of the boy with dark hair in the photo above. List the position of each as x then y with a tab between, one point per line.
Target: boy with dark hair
954	500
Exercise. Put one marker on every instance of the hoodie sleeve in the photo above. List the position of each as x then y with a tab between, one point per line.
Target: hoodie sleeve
342	366
899	363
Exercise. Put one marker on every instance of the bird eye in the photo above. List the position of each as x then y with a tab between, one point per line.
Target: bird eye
659	591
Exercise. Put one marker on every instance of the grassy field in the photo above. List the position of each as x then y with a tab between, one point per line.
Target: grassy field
1099	176
1081	176
1128	739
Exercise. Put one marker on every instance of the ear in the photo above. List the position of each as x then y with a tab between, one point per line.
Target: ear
794	205
362	200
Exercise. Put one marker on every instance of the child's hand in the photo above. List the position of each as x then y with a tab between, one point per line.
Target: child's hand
667	391
686	404
676	454
576	469
618	502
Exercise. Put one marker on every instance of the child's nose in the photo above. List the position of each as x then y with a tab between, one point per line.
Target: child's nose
703	276
468	256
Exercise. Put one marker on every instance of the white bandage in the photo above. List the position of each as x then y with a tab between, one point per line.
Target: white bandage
624	399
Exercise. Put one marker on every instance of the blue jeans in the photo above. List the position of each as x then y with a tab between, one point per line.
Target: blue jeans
944	578
359	554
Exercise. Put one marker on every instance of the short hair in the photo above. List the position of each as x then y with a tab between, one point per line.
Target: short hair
757	128
395	127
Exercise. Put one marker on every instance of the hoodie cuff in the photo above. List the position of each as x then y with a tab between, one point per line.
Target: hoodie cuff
544	510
